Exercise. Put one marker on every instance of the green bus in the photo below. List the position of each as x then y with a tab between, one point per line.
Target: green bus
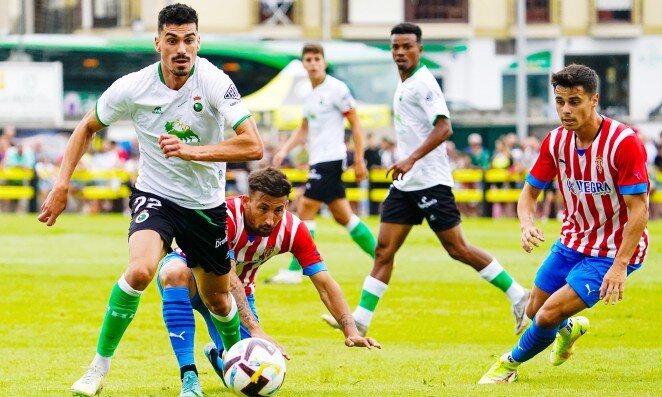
92	63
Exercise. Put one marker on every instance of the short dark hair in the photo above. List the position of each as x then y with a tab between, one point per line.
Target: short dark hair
574	75
407	28
312	47
269	181
177	14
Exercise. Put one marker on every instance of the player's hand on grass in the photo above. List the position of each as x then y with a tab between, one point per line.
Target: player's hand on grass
55	203
172	146
400	168
531	237
613	284
360	341
360	170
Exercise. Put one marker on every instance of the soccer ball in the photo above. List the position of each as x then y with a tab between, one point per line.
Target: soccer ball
254	367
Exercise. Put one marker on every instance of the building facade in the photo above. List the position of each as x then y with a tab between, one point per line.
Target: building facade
472	40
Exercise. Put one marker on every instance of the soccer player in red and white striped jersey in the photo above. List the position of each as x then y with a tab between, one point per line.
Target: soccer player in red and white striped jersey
601	168
259	227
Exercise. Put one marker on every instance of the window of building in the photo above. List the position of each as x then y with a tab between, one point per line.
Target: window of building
610	11
276	12
437	10
106	13
614	74
537	89
505	47
537	11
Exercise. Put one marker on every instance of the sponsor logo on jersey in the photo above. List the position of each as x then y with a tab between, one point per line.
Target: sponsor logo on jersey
181	131
596	188
232	93
157	110
221	241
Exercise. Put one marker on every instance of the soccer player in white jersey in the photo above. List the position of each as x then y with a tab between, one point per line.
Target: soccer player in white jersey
422	182
601	168
259	227
323	131
178	107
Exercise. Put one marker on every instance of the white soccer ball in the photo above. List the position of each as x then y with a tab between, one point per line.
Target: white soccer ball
254	367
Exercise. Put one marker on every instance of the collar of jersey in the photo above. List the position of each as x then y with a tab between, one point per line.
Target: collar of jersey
161	72
420	65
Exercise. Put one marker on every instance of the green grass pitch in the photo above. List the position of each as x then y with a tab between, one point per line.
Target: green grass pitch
438	322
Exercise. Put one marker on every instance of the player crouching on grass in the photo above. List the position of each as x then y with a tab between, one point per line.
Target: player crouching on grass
259	227
601	168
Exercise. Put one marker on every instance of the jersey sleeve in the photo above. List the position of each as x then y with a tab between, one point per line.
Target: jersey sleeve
304	249
226	99
544	169
345	101
432	101
114	103
630	163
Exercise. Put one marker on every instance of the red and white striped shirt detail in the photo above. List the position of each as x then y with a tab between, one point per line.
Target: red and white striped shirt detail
290	235
595	212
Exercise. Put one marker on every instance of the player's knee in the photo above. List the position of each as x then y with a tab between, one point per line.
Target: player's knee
548	318
458	252
383	256
219	304
175	274
139	276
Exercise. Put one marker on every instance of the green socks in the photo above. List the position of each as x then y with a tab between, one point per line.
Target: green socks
122	306
373	290
362	235
228	326
294	264
499	277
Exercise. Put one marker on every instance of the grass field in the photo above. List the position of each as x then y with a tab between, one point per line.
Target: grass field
438	322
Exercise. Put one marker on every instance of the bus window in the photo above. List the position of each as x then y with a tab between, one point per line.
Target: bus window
249	76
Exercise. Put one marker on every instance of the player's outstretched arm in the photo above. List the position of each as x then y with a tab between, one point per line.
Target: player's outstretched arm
613	284
297	138
526	210
360	169
333	299
245	314
246	146
441	131
80	139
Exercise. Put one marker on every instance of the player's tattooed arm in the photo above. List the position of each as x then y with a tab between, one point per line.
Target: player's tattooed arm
346	320
245	314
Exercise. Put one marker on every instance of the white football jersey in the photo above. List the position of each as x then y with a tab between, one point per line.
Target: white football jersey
417	103
324	108
195	113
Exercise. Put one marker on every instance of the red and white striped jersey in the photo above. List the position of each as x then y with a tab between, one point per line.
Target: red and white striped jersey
290	235
593	184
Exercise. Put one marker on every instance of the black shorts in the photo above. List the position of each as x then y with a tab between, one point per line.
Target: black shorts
436	204
325	182
202	234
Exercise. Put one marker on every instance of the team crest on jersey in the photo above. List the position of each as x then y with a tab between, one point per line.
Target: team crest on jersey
142	217
267	253
197	105
598	164
232	93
